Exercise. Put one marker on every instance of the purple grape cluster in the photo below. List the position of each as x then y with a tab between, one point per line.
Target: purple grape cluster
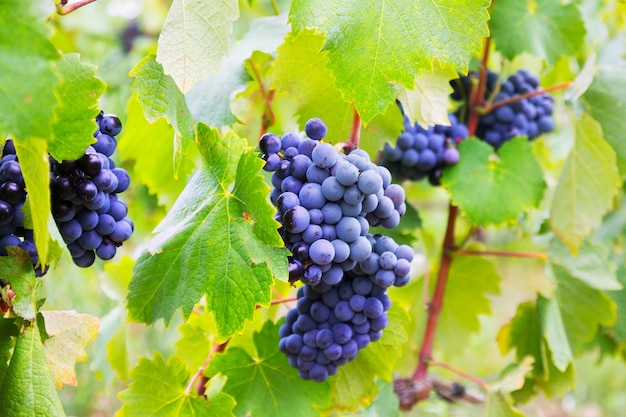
13	232
85	203
423	153
530	116
326	202
331	324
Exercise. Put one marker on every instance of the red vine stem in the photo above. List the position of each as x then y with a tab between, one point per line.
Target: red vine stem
268	118
514	99
504	254
478	94
63	8
199	375
436	302
355	133
462	374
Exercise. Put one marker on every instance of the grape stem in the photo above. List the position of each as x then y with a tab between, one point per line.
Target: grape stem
268	118
504	254
514	99
436	302
275	7
199	375
462	374
355	134
477	97
63	8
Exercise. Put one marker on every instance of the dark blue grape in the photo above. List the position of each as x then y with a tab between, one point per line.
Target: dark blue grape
315	129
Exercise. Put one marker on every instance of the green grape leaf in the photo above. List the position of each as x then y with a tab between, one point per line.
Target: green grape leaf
77	107
148	167
219	239
298	59
490	191
263	383
194	38
354	381
546	28
619	297
583	309
161	98
590	265
159	389
33	156
28	387
605	100
501	405
553	330
209	101
68	334
17	270
587	185
27	76
470	281
9	332
198	339
372	46
427	104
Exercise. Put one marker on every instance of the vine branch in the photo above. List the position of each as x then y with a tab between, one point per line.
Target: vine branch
63	8
436	302
199	375
462	374
520	97
477	97
503	254
268	118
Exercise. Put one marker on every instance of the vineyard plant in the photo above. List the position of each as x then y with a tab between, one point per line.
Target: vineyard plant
276	208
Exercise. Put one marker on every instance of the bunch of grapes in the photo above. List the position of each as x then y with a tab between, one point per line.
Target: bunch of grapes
326	202
13	232
421	153
85	203
530	116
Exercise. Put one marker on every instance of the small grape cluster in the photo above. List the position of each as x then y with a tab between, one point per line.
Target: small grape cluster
530	116
85	204
326	203
424	152
13	232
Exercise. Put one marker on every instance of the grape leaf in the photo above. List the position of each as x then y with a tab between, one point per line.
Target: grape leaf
619	297
354	381
27	76
470	280
33	157
219	239
158	389
386	403
586	187
427	104
583	309
605	101
546	28
69	332
298	59
197	341
161	98
194	38
263	383
501	405
494	192
17	270
9	332
590	265
209	101
391	41
553	330
77	107
28	387
148	167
